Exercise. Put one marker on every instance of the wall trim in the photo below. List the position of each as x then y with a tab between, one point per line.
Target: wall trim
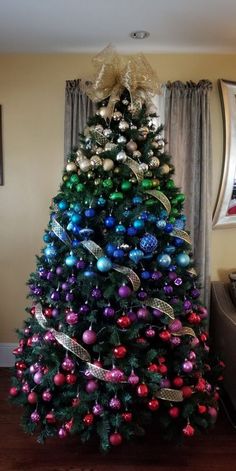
7	358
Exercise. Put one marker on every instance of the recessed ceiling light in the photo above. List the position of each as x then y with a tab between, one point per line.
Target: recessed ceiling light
139	34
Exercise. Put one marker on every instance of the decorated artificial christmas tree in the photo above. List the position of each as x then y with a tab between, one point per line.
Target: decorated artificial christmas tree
116	334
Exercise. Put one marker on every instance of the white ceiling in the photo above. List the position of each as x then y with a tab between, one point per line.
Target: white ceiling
89	25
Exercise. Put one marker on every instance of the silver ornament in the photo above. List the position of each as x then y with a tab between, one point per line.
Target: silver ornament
95	161
131	146
154	162
150	153
107	132
123	125
117	115
98	128
110	146
121	140
116	170
136	154
133	126
121	156
108	165
71	167
143	167
85	165
97	181
155	145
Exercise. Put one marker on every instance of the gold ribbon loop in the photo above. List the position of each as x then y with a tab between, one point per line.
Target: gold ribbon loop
160	197
172	395
181	235
135	168
184	331
156	303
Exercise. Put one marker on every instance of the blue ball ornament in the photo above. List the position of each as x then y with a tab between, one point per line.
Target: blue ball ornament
138	224
164	260
161	224
179	224
75	218
145	275
152	218
46	238
75	243
148	243
178	242
137	199
118	253
62	205
50	251
69	226
136	255
168	227
86	233
182	259
109	222
104	264
89	213
101	201
170	249
120	229
110	248
75	229
71	260
89	273
144	215
131	231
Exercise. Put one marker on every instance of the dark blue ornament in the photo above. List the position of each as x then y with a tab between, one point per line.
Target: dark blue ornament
75	244
144	215
169	227
110	222
89	213
110	249
178	242
118	253
131	231
86	233
148	243
145	275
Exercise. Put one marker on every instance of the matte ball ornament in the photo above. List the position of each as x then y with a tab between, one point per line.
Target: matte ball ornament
164	169
120	351
131	146
89	337
62	205
153	404
88	420
104	264
174	412
32	397
142	390
124	322
182	260
148	243
126	185
124	291
115	439
91	386
164	260
136	255
59	379
108	165
89	213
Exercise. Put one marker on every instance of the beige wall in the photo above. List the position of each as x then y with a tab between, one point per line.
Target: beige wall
32	97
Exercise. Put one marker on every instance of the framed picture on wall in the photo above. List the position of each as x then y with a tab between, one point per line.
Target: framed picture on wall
1	151
225	210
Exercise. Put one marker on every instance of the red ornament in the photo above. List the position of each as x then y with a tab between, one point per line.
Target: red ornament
32	311
48	312
88	419
75	401
71	378
178	382
188	431
202	408
163	369
201	385
174	412
20	365
165	335
153	368
120	351
32	397
194	318
204	337
141	341
68	425
142	390
59	379
124	322
115	439
127	416
50	418
187	391
13	391
161	359
153	404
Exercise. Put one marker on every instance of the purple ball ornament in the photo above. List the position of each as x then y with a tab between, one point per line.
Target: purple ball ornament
124	291
84	309
132	315
203	312
47	395
195	293
35	417
65	286
55	295
72	318
55	312
187	305
150	332
43	273
68	364
156	275
108	312
143	313
59	271
157	313
26	388
175	341
175	325
115	375
49	337
115	403
50	275
62	433
172	275
80	265
69	297
168	289
89	336
96	293
38	377
165	383
187	366
142	295
91	386
98	409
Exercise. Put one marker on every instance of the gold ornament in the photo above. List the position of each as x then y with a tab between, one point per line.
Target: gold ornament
143	131
136	154
155	145
98	128
116	170
71	167
131	146
164	169
154	162
96	161
85	165
97	181
107	132
110	146
117	115
99	150
123	125
108	165
103	112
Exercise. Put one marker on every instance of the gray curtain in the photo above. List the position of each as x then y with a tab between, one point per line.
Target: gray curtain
188	132
78	108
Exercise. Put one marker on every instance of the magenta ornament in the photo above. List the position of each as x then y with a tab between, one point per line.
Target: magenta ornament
72	318
62	433
47	395
68	364
192	356
49	337
115	403
175	341
187	366
38	377
35	417
143	313
165	383
150	333
115	375
175	325
98	409
91	386
195	342
25	388
108	311
89	337
133	379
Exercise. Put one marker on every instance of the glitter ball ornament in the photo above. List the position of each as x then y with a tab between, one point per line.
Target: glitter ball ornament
98	409
115	403
123	125
124	322
35	417
88	420
148	243
47	395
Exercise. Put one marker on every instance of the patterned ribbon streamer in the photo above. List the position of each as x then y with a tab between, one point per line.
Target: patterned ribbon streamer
172	395
156	303
160	197
98	252
181	235
60	232
184	331
135	168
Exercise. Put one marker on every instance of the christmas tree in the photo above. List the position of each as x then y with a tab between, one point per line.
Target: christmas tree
116	333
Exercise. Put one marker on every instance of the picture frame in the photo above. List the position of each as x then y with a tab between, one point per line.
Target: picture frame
1	150
225	209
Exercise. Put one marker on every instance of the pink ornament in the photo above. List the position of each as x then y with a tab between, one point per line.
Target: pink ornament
115	403
192	356
150	333
32	397
175	325
62	433
47	395
203	312
20	374
68	364
35	417
124	291
13	391
88	374
35	338
72	318
115	376
26	388
38	377
89	337
175	341
195	342
133	379
187	366
143	313
165	383
49	337
98	409
212	411
91	386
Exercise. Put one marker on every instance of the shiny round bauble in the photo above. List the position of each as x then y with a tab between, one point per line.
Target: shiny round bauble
68	364
143	131
72	318
124	322
115	375
188	431
121	139
148	243
174	412
118	253
126	185
182	260
71	260
89	213
124	291
62	433
25	388
88	420
38	377
127	416
50	251
108	165
143	167
32	398
116	196
187	366
164	260
123	125
121	157
136	154
143	313
59	379
91	386
120	351
154	162
102	112
47	395
138	224
115	403
145	275
97	181
115	439
117	115
35	417
89	337
80	187
71	167
153	404
164	169
131	146
133	379
85	165
107	133
104	264
136	255
96	161
142	390
109	222
137	199
146	184
98	409
165	335
108	311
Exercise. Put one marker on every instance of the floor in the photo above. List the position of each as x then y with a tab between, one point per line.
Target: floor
19	452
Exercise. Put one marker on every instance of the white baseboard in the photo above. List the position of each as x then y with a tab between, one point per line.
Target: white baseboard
6	356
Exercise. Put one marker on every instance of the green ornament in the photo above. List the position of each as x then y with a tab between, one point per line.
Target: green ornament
126	185
117	196
170	184
68	184
150	202
174	202
80	187
180	197
147	184
171	219
74	178
174	212
108	184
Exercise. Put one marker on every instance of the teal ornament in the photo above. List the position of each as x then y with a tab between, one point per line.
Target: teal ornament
50	251
69	226
47	238
137	199
76	207
138	224
136	255
62	205
120	229
164	260
170	249
101	201
148	243
75	218
182	260
104	264
71	260
161	224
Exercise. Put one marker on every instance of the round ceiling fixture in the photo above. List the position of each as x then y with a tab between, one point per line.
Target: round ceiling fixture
139	34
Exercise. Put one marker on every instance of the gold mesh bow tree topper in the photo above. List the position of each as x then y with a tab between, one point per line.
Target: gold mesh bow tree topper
116	333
